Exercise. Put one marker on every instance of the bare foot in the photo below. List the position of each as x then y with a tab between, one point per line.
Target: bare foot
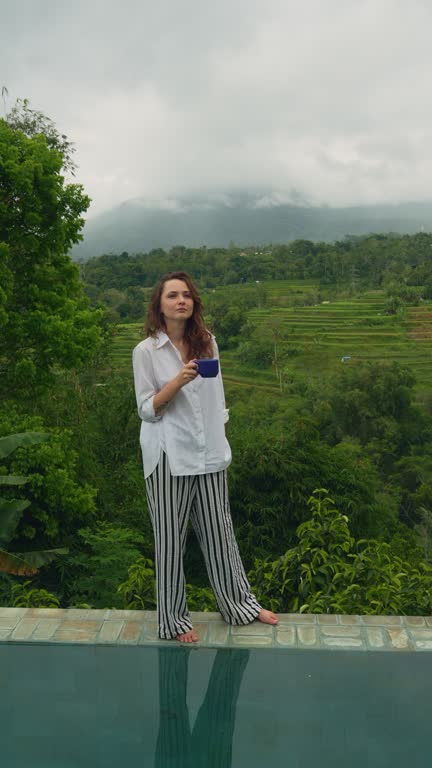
188	637
267	617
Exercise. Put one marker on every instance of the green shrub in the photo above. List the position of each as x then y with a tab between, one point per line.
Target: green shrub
200	598
11	511
138	591
328	571
94	573
58	503
26	596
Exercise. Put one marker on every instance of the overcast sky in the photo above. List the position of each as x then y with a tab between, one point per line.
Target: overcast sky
172	97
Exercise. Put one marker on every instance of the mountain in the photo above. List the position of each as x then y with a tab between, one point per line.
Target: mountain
136	226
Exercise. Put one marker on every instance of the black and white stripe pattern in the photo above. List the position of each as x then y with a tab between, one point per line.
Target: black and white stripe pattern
204	498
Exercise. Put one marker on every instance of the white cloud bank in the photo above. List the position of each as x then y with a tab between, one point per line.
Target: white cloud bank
328	99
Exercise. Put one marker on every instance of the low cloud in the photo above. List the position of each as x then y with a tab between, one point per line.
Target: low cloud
326	102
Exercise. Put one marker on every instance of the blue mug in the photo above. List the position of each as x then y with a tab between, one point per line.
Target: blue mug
208	368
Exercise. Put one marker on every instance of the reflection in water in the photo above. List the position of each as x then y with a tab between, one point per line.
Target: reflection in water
210	743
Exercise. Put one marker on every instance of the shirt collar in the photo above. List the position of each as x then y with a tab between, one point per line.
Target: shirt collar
161	339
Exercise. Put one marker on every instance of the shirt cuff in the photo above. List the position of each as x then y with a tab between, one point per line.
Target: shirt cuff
148	411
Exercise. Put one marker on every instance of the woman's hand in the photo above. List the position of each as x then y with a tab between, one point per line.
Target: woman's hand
187	373
169	391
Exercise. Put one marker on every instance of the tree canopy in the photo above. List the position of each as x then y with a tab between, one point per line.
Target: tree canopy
45	319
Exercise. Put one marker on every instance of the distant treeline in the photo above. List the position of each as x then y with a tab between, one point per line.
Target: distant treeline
370	260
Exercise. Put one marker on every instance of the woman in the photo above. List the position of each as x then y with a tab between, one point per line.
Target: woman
185	457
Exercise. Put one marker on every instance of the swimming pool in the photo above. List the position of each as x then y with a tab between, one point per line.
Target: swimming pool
70	706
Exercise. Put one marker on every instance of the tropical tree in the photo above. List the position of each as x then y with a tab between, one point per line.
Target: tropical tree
60	502
45	320
27	563
32	122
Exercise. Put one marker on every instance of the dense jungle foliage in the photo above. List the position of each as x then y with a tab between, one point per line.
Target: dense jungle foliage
74	528
401	265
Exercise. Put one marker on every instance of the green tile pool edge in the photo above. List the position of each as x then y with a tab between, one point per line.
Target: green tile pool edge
300	631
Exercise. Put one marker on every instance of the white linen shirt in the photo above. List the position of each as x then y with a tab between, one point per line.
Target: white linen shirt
190	429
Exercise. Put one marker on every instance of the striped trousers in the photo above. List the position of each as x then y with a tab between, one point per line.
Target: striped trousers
203	499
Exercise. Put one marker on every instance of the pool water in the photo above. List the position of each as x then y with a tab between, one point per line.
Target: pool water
174	707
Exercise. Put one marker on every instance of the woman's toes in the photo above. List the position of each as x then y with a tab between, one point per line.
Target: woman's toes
188	637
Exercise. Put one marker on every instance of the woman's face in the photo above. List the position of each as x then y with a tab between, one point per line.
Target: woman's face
176	300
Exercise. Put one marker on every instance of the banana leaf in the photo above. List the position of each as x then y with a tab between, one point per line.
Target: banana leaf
12	480
27	563
10	515
10	443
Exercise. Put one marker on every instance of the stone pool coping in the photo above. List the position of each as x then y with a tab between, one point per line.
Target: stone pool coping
304	631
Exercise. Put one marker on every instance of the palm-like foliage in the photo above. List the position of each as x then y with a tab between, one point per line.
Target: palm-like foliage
19	564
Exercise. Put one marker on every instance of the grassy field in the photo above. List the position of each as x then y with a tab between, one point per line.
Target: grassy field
322	335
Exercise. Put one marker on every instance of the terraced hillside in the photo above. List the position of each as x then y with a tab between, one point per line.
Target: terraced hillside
127	336
125	339
279	292
319	337
354	330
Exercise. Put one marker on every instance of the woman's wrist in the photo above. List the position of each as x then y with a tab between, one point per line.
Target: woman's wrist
166	394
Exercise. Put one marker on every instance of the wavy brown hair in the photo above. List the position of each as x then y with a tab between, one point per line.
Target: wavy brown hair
197	337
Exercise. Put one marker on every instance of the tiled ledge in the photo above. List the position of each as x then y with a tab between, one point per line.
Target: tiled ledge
308	631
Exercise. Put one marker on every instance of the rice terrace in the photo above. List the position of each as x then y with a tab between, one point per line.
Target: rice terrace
324	335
